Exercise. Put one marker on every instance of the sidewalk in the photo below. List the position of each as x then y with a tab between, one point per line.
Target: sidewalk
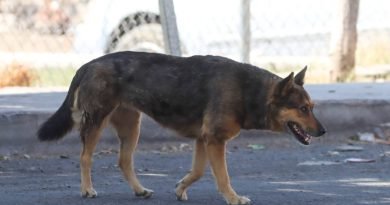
340	107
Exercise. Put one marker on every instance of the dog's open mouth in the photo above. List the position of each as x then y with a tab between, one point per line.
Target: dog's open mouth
299	133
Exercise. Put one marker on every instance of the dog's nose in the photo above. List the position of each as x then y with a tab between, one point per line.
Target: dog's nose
322	131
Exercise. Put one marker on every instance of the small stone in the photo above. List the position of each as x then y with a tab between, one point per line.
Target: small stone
64	157
366	136
333	153
184	147
379	133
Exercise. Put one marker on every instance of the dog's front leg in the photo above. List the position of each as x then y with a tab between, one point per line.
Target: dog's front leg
198	165
216	152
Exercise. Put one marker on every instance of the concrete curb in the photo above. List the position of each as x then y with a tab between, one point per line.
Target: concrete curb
21	115
358	115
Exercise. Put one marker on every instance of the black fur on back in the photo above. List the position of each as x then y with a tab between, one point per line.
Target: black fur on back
61	121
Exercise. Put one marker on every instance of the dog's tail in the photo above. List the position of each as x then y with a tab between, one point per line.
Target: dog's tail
61	121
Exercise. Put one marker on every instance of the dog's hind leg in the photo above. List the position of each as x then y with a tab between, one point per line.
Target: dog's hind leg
126	121
92	124
198	165
90	138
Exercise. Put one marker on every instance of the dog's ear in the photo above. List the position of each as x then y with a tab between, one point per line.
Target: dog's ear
300	77
285	85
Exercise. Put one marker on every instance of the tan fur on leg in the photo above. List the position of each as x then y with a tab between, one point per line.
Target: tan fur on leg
198	165
216	154
89	145
126	121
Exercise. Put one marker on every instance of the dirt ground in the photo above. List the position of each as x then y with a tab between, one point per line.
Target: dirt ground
270	170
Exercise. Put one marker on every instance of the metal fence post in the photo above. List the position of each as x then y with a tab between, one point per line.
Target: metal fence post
245	28
169	27
343	41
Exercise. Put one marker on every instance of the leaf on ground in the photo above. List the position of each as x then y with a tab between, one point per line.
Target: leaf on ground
317	163
256	146
359	160
349	148
2	157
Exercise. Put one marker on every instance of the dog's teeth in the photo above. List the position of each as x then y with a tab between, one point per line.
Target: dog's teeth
307	138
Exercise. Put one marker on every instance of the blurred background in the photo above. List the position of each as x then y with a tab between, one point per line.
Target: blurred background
43	42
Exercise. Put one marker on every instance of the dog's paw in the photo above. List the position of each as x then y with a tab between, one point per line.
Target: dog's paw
89	193
239	200
181	193
146	193
181	196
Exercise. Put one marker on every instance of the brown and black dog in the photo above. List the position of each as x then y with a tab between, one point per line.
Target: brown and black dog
206	98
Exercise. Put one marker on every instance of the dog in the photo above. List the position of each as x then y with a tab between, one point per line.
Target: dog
206	98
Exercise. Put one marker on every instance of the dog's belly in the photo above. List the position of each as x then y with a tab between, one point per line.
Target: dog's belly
173	112
185	122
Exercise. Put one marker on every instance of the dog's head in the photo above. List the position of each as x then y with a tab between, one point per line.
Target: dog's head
291	109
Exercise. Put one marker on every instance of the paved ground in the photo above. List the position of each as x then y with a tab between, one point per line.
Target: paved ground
273	171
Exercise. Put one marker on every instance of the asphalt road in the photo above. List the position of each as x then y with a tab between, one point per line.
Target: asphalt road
273	170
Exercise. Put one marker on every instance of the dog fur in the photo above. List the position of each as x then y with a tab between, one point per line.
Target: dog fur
206	98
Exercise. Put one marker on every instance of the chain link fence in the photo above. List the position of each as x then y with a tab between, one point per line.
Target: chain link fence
43	42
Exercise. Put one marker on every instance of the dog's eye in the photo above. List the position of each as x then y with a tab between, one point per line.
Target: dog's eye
304	109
